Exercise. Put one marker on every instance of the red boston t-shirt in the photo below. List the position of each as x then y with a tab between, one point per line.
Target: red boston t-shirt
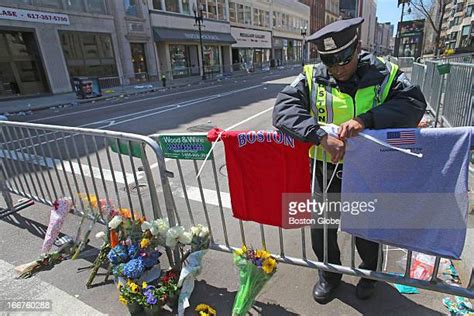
262	166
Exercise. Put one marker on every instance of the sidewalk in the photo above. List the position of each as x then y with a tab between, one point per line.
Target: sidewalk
25	106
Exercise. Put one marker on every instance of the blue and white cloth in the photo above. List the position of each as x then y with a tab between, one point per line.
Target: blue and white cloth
419	203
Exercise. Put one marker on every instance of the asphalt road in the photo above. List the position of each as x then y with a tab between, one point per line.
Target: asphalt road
222	104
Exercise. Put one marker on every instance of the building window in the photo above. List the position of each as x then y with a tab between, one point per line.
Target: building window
232	12
266	22
186	7
51	3
96	6
256	17
466	30
157	5
248	15
88	54
469	10
74	5
131	7
172	5
211	9
221	9
240	13
139	60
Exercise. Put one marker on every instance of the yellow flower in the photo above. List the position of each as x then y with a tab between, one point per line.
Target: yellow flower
119	285
205	310
129	283
269	265
262	254
241	251
134	288
145	243
123	300
144	285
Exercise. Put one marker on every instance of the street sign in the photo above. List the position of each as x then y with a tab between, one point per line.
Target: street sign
124	148
185	146
443	68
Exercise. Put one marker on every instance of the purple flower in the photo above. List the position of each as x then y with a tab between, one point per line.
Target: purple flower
150	298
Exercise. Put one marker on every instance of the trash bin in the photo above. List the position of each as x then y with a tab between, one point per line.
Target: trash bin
86	87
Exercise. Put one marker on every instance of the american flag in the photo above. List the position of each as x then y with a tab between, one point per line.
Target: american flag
401	138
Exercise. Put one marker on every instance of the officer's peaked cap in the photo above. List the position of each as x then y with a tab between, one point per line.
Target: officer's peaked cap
337	36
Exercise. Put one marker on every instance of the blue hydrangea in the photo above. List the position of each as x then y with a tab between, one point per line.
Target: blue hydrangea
133	251
118	254
134	269
151	259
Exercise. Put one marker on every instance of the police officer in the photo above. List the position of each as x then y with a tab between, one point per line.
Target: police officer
354	90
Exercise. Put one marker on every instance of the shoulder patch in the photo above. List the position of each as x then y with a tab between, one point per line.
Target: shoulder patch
297	80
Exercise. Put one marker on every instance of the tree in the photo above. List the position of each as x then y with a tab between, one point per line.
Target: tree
433	11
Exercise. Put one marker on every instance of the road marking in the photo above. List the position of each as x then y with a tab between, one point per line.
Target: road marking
119	104
209	195
50	163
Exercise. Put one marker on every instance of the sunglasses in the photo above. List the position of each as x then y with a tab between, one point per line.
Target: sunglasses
339	59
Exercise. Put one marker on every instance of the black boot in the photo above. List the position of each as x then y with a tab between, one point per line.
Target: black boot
365	289
323	291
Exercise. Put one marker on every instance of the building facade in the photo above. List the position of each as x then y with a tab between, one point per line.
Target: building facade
369	11
350	8
332	11
317	20
458	26
383	35
45	43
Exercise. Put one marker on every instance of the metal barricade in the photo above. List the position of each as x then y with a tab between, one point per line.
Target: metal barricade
204	198
458	100
418	75
45	163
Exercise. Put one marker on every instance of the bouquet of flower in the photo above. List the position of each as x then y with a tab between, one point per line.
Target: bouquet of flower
131	294
256	267
165	292
192	265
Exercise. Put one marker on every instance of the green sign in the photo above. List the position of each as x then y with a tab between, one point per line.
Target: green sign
185	146
443	68
125	149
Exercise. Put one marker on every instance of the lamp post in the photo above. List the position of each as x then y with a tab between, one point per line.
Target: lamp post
399	35
303	33
198	19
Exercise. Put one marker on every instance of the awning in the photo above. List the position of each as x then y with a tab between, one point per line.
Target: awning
176	35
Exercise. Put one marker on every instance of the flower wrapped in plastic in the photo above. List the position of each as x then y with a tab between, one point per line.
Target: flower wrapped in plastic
256	267
133	251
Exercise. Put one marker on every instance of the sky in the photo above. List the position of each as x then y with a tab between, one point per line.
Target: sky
387	11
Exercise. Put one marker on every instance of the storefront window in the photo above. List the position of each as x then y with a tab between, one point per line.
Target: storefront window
88	54
179	61
96	6
74	5
211	58
172	5
232	12
221	9
139	60
131	7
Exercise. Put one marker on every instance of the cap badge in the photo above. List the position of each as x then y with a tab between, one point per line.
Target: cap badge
329	43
